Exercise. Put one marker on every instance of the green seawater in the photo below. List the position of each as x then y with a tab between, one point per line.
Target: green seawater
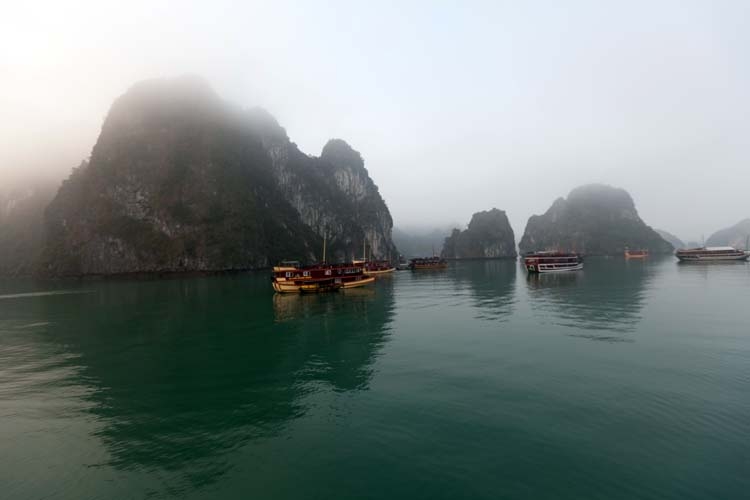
626	380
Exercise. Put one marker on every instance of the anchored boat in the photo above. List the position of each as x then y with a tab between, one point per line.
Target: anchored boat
635	254
372	268
711	254
427	263
552	262
290	277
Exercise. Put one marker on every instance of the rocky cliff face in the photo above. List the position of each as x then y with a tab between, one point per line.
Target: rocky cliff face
181	181
488	236
735	236
333	194
594	220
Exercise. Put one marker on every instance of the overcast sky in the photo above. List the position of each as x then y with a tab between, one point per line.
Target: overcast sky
455	106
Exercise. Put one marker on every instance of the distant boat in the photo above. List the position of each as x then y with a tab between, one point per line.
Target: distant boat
402	265
711	254
635	254
290	277
552	262
423	263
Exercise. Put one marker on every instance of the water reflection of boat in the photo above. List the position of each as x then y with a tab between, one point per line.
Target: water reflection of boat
602	303
492	286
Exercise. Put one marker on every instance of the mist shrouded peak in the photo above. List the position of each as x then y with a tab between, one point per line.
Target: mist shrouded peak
340	151
736	235
592	196
593	219
165	98
181	180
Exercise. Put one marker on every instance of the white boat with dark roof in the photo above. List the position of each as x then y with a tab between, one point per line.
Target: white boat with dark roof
711	254
552	262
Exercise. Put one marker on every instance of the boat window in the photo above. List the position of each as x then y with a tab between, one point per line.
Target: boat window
306	273
288	274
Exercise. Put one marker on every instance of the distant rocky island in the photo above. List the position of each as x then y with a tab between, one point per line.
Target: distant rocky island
22	225
594	219
179	180
488	236
671	238
735	236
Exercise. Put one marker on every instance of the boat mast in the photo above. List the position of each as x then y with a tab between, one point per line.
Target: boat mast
325	234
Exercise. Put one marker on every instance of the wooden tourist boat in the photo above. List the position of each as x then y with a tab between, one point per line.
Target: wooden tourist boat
711	254
635	254
373	268
552	262
427	263
318	278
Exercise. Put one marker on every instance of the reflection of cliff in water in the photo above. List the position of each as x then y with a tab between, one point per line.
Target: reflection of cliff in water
182	372
491	285
604	300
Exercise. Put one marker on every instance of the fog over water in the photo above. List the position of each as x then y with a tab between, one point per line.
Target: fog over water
455	107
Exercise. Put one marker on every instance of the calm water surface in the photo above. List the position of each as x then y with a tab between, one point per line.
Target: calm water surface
626	380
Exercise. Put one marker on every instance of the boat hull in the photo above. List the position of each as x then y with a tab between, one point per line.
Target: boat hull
425	268
366	280
379	271
711	258
553	268
300	286
636	256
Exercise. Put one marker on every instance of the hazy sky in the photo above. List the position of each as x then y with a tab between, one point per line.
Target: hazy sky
455	106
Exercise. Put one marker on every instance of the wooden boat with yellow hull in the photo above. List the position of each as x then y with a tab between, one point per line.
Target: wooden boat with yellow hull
375	267
318	278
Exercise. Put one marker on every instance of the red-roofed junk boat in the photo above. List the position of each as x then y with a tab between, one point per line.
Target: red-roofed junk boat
291	277
635	254
427	263
711	254
552	262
